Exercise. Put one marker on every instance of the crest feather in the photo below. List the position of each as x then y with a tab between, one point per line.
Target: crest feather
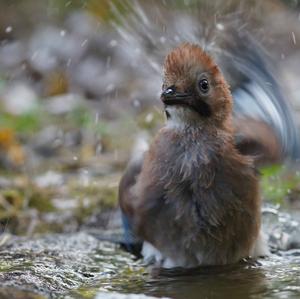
186	56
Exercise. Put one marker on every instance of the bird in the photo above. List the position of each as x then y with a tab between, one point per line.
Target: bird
192	199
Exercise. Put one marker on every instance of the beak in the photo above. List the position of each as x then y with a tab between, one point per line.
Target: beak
171	97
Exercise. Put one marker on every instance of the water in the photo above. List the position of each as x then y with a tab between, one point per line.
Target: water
79	265
274	277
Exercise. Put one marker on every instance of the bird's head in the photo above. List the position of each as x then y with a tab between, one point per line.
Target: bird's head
194	90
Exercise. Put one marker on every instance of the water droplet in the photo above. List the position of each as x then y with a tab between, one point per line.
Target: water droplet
69	62
98	149
220	26
110	87
108	62
68	3
97	117
136	103
177	38
149	117
116	155
34	55
162	39
8	29
84	43
294	37
113	43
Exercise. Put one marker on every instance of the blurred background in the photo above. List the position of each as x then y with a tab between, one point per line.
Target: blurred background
80	80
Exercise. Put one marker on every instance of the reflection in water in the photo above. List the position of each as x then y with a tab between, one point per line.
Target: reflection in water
238	281
274	277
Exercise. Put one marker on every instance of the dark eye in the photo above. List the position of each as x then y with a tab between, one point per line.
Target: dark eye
204	85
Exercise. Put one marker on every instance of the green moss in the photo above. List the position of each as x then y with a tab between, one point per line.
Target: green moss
105	10
80	116
62	7
83	117
91	203
40	199
277	182
27	123
11	203
46	228
15	204
93	199
5	266
87	293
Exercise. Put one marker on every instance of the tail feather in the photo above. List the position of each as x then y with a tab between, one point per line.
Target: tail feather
258	95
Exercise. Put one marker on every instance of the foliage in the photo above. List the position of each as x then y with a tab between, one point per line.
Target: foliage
27	123
277	182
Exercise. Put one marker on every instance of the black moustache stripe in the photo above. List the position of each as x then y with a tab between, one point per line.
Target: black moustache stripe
203	109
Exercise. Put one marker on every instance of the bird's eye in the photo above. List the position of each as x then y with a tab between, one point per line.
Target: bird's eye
204	85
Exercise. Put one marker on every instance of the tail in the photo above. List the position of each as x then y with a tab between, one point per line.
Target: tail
258	97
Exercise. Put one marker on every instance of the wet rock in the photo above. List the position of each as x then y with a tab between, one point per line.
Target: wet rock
19	98
93	35
105	295
67	204
48	140
95	78
55	264
50	47
12	54
5	183
8	293
282	229
63	104
81	23
49	179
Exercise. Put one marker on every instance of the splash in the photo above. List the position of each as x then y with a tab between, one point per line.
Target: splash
228	31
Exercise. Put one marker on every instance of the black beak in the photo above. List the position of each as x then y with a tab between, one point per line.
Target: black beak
169	92
171	97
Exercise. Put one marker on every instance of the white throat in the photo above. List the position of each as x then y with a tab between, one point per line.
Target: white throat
176	119
181	118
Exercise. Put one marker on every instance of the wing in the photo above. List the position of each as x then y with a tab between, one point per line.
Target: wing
130	243
264	120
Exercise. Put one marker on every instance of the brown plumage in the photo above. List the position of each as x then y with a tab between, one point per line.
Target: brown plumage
256	138
195	198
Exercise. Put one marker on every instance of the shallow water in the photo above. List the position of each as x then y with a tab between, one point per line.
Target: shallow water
81	266
274	277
